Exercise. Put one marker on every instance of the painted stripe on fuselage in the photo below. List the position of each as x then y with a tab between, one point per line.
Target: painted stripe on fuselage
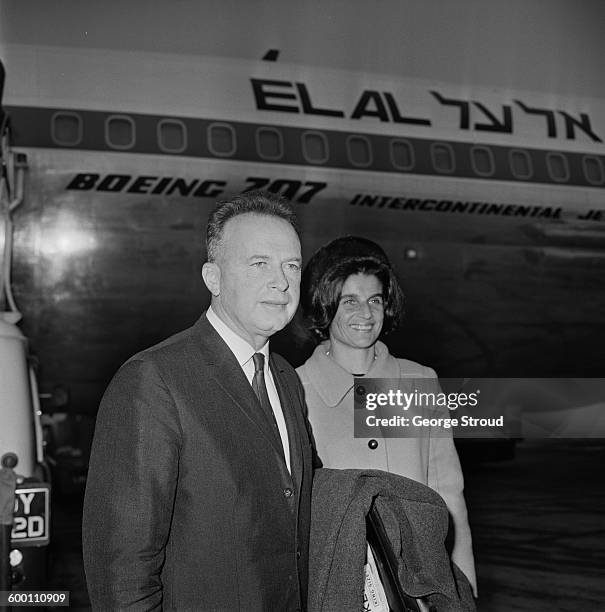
32	127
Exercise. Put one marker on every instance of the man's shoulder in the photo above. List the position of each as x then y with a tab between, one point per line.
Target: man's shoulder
177	360
282	364
172	343
286	370
190	343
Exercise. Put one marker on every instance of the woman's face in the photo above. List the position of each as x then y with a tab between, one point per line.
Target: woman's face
358	320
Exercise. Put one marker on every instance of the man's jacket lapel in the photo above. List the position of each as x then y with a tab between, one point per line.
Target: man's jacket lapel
230	377
289	403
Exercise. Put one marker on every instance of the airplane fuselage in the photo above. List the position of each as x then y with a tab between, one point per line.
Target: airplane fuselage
490	204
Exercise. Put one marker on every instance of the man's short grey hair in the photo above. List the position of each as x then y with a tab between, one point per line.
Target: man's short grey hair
256	202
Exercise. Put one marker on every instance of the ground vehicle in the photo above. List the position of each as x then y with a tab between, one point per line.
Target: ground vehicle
24	490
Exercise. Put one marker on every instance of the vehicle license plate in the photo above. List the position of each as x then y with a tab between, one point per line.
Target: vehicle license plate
31	516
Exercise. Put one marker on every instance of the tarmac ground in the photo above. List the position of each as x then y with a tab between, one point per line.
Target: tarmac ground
538	523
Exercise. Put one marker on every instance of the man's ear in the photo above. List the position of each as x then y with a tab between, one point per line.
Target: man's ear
211	274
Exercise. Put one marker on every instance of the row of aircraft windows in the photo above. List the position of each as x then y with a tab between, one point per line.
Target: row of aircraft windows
120	134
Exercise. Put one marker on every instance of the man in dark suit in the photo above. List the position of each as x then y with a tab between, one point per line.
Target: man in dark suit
198	493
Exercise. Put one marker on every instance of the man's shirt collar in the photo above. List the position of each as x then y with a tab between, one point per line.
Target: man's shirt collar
242	350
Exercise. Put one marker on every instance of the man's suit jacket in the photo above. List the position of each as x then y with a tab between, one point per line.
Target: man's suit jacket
189	503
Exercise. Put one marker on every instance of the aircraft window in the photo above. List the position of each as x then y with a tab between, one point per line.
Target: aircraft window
120	132
269	143
520	164
558	168
402	154
66	129
359	151
593	169
442	156
315	147
172	136
482	160
221	139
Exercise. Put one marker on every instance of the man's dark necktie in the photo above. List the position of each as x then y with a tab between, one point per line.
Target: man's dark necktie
260	388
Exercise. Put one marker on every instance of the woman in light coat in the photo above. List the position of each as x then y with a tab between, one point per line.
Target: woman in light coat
350	297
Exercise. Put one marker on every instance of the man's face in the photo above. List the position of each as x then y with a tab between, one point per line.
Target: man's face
258	269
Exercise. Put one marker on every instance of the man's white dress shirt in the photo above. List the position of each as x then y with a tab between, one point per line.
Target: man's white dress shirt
243	353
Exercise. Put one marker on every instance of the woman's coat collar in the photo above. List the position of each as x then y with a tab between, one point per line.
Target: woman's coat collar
332	382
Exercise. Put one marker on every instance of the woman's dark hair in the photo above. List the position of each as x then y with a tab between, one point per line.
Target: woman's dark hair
328	269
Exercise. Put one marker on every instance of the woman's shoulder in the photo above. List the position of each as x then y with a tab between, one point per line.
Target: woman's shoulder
308	368
413	369
303	372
